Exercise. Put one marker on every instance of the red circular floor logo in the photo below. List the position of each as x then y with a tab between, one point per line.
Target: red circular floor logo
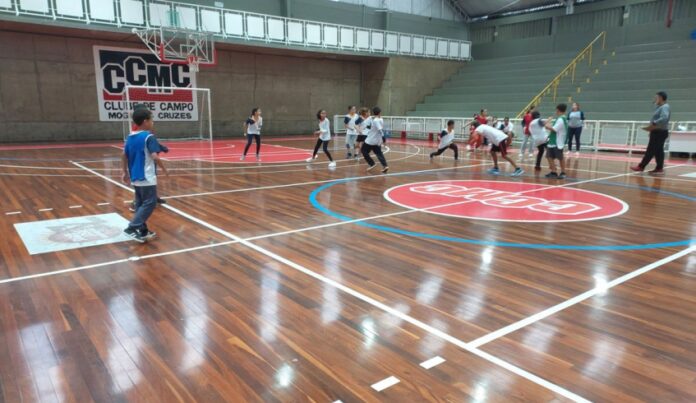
505	201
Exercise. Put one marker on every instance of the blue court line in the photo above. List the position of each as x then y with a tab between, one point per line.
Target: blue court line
316	204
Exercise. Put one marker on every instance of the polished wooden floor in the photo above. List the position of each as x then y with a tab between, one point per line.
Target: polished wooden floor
252	293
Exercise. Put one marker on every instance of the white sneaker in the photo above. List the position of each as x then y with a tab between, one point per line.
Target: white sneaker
577	153
242	157
531	154
258	157
371	167
332	164
310	159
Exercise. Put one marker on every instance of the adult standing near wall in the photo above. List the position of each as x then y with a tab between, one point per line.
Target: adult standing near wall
576	120
658	129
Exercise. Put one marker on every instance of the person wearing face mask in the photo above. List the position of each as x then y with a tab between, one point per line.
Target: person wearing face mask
658	135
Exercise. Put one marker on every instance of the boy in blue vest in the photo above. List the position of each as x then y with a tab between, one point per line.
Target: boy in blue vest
139	161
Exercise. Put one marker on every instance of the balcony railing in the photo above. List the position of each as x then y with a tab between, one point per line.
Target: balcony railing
225	24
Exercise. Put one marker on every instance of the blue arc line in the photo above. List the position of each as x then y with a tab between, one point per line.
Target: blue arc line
317	205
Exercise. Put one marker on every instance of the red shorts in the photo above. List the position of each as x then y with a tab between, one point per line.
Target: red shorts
502	147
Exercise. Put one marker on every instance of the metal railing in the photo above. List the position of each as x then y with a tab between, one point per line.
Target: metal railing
569	70
225	23
597	135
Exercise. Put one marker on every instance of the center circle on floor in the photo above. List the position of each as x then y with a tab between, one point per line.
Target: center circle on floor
505	201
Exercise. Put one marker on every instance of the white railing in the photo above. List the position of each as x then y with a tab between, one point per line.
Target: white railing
234	24
597	135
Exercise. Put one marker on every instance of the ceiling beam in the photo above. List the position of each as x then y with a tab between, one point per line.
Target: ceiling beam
458	8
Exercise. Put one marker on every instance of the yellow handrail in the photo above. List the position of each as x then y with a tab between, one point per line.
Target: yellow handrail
570	68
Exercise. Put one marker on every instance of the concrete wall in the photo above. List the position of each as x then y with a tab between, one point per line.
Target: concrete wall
398	84
48	87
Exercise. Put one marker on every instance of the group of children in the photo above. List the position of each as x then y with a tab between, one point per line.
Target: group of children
549	136
364	133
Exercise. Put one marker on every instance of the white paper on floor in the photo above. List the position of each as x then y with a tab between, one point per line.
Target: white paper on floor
72	233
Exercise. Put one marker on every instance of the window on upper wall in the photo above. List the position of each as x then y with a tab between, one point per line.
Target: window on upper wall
439	9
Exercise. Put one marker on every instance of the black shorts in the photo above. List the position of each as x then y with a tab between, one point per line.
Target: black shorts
554	153
501	148
361	138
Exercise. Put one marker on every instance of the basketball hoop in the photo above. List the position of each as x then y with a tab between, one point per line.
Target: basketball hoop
180	46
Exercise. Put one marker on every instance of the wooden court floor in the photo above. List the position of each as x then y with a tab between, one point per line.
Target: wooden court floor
286	281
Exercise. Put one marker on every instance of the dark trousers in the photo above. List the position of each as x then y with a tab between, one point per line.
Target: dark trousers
325	147
574	132
366	149
540	154
250	138
452	147
656	148
145	203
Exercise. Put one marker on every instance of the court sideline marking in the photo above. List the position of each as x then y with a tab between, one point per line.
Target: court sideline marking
578	299
409	319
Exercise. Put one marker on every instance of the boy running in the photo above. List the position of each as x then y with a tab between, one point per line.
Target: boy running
499	141
447	141
374	140
139	161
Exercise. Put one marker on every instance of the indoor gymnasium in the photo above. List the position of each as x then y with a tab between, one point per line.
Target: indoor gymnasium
347	201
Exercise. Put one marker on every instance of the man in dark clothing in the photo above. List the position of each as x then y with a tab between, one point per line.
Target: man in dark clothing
658	129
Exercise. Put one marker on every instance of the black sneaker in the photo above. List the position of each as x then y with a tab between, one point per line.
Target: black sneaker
552	175
562	175
161	201
134	234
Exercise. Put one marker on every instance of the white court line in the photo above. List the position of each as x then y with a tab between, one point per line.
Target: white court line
47	175
46	209
320	181
117	261
13	213
385	383
249	165
430	329
433	362
103	204
75	206
568	168
577	299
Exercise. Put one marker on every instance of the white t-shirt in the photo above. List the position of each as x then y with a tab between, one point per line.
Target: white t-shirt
364	125
254	127
350	124
493	135
325	128
559	126
538	132
506	128
374	135
446	138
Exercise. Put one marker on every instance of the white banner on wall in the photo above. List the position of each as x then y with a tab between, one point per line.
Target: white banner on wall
116	68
